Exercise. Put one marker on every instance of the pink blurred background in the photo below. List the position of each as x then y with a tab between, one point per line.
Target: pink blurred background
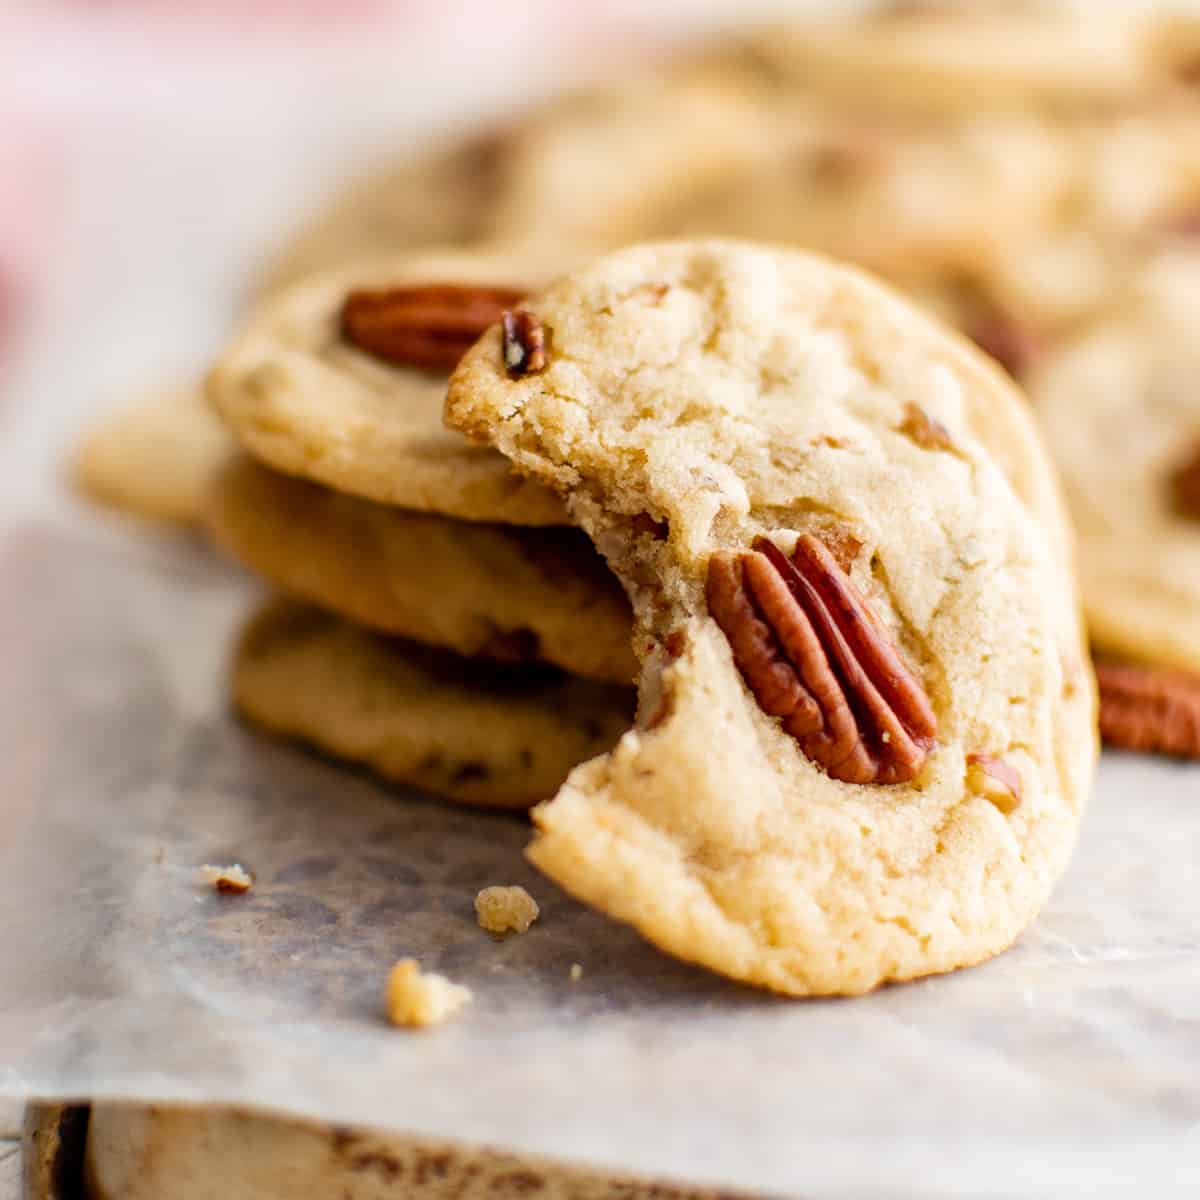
151	151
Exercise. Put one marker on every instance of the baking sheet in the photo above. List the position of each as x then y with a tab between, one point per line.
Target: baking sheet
1070	1066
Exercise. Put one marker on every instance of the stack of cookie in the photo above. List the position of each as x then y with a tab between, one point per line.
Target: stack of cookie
444	626
864	720
1029	172
839	571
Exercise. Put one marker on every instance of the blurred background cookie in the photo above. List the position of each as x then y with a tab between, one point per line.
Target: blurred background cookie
154	458
1027	171
1121	414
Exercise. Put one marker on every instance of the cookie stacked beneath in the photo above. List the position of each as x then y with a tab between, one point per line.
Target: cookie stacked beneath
864	729
441	623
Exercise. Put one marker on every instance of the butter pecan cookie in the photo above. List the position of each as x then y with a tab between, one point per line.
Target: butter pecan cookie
963	55
493	591
437	198
475	732
905	197
598	169
1134	192
154	458
341	379
590	170
1120	409
866	727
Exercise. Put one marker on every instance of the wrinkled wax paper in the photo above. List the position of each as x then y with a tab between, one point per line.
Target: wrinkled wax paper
1069	1066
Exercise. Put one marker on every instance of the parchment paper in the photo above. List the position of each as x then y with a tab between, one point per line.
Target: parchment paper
1070	1066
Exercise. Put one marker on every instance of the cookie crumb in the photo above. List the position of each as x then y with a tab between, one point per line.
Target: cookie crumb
232	880
576	972
419	1000
505	909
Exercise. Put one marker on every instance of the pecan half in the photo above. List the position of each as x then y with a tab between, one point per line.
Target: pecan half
995	780
1149	708
524	344
1185	485
431	326
815	655
1012	344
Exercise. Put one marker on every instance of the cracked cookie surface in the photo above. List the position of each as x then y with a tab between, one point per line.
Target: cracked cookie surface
494	591
476	732
298	395
699	396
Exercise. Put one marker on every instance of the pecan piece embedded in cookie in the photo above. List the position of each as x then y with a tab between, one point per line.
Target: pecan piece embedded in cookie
997	781
925	430
430	326
524	344
814	654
